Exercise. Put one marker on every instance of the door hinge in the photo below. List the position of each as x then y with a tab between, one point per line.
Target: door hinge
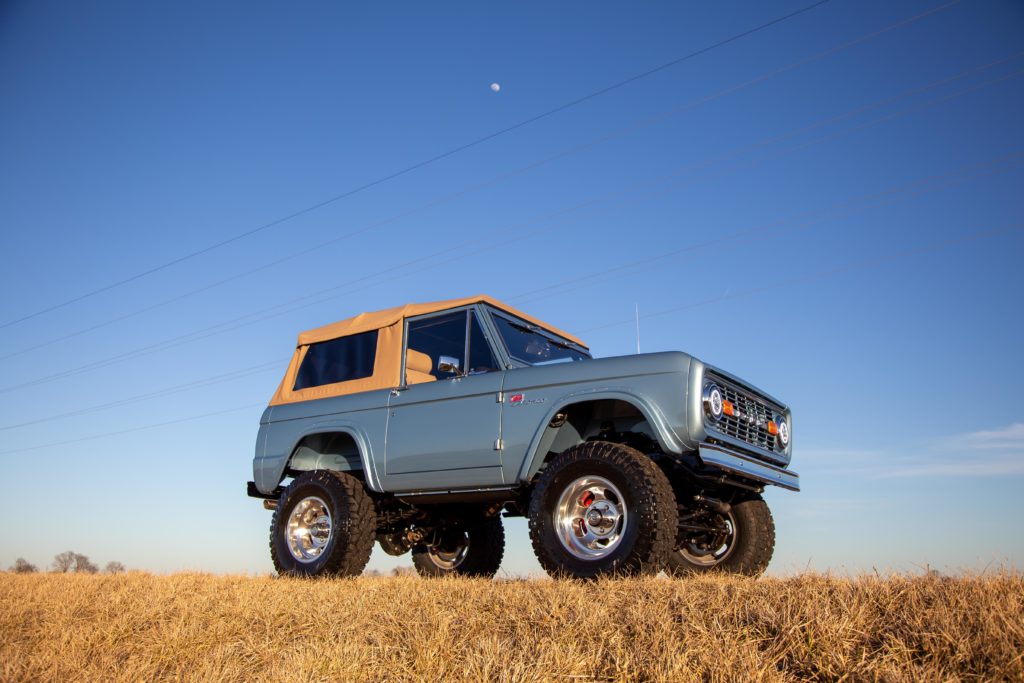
501	396
499	444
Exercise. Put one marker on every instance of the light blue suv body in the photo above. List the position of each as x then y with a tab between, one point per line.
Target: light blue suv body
492	431
420	427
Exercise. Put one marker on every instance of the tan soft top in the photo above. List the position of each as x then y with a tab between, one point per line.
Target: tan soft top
388	362
364	322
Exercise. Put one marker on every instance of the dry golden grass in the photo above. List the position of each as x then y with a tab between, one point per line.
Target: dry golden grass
192	627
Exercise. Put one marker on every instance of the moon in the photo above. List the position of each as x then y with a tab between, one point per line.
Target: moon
496	87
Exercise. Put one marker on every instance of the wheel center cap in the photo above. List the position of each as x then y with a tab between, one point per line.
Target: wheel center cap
309	529
320	530
601	517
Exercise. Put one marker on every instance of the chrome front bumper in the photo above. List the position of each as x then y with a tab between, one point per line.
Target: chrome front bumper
748	467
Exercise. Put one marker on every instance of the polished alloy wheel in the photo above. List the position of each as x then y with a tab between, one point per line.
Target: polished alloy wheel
590	517
309	529
452	555
714	547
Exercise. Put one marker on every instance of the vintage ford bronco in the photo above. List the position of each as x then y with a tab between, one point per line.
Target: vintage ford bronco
418	426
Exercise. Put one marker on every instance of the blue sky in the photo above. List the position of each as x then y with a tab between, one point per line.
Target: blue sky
830	208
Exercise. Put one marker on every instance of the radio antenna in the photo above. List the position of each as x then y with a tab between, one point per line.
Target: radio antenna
637	307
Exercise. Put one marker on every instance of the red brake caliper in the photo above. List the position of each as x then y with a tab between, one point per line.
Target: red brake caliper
585	500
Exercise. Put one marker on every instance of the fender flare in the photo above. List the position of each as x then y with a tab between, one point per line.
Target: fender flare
668	441
344	427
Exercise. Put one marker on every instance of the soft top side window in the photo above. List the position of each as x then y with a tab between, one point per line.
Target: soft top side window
446	335
440	335
338	360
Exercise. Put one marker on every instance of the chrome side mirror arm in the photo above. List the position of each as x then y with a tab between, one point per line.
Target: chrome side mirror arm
450	364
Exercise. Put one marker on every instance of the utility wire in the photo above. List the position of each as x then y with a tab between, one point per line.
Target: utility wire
805	221
614	134
831	272
1013	156
421	164
917	187
169	391
1000	159
801	280
290	306
685	168
119	432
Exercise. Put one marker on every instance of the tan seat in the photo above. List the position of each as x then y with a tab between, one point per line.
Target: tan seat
417	367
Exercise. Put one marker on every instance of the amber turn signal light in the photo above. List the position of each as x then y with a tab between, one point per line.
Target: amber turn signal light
773	428
728	408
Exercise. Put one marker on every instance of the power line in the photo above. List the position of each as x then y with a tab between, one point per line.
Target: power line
421	164
917	187
289	306
133	430
804	279
652	120
706	162
924	185
833	119
822	274
169	391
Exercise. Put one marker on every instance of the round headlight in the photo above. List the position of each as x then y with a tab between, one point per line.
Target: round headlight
713	401
783	431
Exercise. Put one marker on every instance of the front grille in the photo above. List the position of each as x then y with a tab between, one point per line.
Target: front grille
751	422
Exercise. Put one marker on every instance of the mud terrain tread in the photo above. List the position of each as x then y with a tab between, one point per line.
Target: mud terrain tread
654	506
483	559
355	522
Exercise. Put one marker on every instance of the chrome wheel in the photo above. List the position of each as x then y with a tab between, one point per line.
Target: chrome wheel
590	518
452	555
309	529
711	548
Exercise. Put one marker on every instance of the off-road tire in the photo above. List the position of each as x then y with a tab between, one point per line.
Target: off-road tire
483	554
649	532
753	548
354	521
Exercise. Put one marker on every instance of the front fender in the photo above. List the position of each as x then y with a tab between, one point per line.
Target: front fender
667	439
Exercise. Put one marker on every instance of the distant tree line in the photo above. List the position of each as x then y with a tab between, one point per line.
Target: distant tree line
395	571
67	562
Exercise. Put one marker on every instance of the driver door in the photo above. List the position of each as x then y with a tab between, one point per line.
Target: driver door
444	426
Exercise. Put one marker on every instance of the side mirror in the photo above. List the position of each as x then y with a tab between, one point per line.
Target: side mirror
449	364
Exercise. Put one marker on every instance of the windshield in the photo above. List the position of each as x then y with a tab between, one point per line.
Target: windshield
534	346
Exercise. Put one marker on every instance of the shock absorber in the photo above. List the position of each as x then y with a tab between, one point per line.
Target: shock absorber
713	504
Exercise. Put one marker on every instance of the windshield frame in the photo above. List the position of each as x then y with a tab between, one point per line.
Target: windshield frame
551	337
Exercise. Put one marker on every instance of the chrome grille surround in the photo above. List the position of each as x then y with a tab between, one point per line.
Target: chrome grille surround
750	424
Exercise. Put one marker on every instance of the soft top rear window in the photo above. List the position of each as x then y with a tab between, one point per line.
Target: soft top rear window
338	360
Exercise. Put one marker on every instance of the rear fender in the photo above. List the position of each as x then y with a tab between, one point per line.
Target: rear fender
302	458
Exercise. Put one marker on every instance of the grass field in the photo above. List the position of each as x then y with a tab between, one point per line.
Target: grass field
140	627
